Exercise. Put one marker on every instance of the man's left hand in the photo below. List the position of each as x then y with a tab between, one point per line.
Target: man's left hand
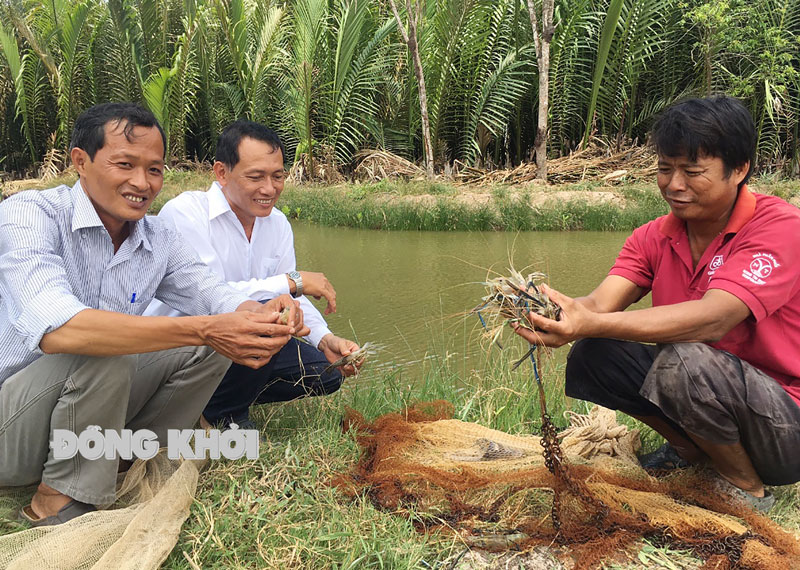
317	285
575	322
334	348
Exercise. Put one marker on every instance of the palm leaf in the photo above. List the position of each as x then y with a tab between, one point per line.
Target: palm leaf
156	94
606	38
10	49
498	95
310	24
356	82
72	35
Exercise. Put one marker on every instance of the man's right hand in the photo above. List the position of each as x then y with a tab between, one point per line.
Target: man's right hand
294	319
246	337
318	286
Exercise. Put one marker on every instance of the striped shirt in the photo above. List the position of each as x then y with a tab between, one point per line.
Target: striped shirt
57	259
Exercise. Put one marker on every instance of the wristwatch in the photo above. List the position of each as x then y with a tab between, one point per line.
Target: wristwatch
298	281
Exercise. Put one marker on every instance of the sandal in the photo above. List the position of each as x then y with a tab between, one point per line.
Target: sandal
71	510
663	459
760	504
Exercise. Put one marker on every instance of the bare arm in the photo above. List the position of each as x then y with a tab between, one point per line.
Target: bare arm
704	320
614	293
249	337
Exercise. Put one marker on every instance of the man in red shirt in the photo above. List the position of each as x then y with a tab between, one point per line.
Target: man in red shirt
722	384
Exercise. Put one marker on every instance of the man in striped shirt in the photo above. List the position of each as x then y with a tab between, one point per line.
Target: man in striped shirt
78	266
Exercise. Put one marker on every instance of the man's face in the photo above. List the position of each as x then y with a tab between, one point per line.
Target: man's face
698	191
252	186
125	175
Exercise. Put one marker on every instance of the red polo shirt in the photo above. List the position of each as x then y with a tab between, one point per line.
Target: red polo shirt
756	258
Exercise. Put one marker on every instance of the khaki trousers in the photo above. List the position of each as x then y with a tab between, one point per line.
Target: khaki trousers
156	391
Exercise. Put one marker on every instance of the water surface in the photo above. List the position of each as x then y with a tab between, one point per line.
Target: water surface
409	291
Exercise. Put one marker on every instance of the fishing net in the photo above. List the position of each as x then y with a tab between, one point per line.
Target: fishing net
586	492
137	532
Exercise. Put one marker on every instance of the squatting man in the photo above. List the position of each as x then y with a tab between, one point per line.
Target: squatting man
236	229
722	381
78	267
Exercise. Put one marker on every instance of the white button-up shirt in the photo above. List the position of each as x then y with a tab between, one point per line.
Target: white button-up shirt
257	267
57	259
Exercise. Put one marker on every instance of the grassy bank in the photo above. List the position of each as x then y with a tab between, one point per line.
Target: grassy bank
280	512
447	207
415	205
437	206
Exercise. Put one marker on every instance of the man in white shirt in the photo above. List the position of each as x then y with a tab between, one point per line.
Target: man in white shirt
236	231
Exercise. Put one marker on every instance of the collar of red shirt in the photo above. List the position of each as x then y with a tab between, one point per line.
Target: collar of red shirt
742	213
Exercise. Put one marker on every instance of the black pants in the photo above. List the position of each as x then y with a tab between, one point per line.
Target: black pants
294	372
696	389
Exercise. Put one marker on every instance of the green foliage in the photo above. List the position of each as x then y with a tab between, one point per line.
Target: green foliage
606	39
360	63
14	68
752	50
476	72
334	77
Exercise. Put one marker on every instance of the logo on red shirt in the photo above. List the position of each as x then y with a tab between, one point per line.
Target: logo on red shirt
715	264
760	268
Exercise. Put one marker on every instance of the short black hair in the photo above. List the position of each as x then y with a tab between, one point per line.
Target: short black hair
230	138
89	132
718	126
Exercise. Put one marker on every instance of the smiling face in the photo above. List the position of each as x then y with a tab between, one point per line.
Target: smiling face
698	192
252	186
124	177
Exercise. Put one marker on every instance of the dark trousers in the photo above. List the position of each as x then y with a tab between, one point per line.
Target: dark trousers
294	372
698	390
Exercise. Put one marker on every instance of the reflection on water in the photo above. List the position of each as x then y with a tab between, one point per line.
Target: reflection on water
409	291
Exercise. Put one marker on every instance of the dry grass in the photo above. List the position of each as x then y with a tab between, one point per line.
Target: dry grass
376	165
597	162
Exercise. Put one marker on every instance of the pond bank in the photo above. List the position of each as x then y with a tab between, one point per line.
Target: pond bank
619	205
389	205
443	207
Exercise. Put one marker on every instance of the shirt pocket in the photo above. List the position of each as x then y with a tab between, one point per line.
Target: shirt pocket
128	298
268	267
138	306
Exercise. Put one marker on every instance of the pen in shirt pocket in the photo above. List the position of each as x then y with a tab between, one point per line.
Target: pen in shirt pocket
133	298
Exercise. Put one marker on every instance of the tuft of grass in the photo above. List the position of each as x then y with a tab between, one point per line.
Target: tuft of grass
650	556
354	208
177	181
280	511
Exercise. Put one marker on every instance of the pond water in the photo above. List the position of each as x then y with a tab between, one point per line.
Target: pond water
410	291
